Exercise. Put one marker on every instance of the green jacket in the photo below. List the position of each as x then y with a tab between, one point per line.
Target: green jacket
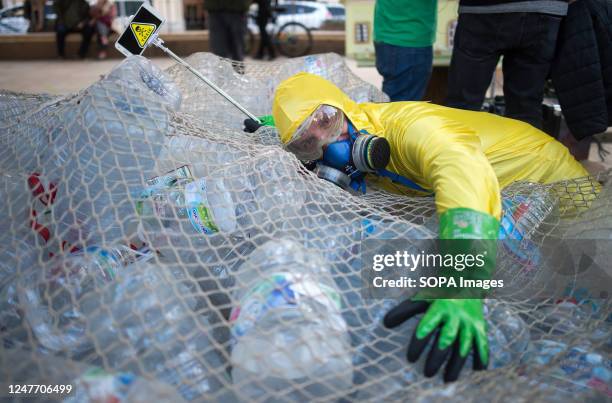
71	12
409	23
233	6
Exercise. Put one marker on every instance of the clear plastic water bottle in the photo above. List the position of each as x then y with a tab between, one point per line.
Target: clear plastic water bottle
162	196
53	296
202	155
239	199
148	327
202	206
528	214
287	326
106	146
151	78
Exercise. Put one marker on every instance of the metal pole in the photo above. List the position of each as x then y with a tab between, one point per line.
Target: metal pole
160	44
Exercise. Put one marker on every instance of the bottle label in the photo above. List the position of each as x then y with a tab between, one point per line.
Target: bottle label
198	208
522	248
201	219
101	386
280	291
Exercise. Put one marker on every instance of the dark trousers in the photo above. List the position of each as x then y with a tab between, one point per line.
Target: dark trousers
265	42
60	36
526	41
405	70
226	32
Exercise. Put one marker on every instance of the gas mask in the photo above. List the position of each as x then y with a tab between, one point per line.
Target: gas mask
341	154
346	162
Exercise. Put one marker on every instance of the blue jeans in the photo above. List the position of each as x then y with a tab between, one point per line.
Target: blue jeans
405	70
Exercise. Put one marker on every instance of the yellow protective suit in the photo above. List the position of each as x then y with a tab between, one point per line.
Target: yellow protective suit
465	157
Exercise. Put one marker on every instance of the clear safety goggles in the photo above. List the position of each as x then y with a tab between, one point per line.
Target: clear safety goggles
321	128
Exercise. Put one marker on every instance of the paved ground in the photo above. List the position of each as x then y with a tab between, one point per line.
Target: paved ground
62	77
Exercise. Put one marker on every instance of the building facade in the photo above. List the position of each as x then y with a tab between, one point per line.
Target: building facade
360	30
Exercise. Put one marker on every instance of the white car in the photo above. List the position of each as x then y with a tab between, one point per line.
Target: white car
309	13
338	13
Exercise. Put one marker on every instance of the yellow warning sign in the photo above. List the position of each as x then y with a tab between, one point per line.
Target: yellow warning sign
142	31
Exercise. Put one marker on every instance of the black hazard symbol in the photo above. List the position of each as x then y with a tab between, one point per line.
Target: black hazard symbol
142	31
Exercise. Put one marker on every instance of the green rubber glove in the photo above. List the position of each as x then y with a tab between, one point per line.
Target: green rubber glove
251	125
267	120
458	325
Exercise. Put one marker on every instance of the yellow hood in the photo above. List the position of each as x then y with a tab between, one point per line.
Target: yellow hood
297	97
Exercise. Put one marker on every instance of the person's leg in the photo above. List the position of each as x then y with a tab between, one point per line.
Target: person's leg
38	12
263	37
475	56
526	68
387	65
269	43
236	23
217	35
414	72
405	70
103	31
86	32
60	39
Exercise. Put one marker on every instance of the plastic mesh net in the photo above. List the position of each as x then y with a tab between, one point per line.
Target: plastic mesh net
151	250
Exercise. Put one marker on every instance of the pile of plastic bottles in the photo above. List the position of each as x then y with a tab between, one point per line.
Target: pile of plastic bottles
149	263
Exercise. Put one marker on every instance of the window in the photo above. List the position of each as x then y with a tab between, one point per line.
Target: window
305	10
450	38
336	11
285	9
362	32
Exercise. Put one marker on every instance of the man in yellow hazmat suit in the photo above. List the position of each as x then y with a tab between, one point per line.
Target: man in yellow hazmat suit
462	157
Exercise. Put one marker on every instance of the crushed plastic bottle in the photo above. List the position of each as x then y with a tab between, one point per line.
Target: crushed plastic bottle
287	328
